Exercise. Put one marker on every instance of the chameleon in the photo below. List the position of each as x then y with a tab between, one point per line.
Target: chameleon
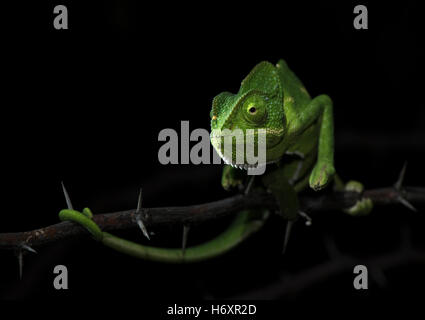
299	155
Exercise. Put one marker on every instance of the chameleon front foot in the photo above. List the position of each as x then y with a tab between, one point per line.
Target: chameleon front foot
321	175
363	206
232	178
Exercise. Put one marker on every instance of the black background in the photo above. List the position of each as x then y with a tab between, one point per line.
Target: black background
85	106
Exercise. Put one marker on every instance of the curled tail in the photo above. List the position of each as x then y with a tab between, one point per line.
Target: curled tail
245	224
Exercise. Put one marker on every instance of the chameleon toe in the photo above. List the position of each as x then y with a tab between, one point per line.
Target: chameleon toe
361	208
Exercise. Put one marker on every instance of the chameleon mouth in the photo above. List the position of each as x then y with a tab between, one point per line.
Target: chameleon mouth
232	159
243	166
229	161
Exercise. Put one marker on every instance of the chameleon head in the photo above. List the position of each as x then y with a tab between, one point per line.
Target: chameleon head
241	119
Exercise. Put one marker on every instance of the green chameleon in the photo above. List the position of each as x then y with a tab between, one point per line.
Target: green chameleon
300	153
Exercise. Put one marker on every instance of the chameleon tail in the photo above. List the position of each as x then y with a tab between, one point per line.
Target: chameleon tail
84	219
245	224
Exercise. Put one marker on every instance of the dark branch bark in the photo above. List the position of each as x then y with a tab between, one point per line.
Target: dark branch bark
205	212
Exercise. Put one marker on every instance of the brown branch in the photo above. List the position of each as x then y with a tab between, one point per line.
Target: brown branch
205	212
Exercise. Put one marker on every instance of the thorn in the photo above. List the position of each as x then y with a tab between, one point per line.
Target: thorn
248	187
139	216
307	218
142	226
184	239
27	247
21	263
398	185
20	253
67	199
400	179
287	234
139	202
406	203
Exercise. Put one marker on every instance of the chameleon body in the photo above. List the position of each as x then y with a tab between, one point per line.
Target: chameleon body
300	153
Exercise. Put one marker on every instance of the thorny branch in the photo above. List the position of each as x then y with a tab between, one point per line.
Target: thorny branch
195	214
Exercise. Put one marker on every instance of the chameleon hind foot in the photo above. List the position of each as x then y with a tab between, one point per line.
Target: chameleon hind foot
363	206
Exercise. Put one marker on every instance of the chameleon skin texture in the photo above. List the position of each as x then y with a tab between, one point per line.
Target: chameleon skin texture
299	142
293	121
82	219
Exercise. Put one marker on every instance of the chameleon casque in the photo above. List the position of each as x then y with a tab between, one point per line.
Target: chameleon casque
300	153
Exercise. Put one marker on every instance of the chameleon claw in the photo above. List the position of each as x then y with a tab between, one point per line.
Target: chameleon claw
363	206
67	198
308	220
184	239
139	216
321	175
287	235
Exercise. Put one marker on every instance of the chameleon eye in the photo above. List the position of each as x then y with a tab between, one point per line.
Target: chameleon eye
255	110
252	110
